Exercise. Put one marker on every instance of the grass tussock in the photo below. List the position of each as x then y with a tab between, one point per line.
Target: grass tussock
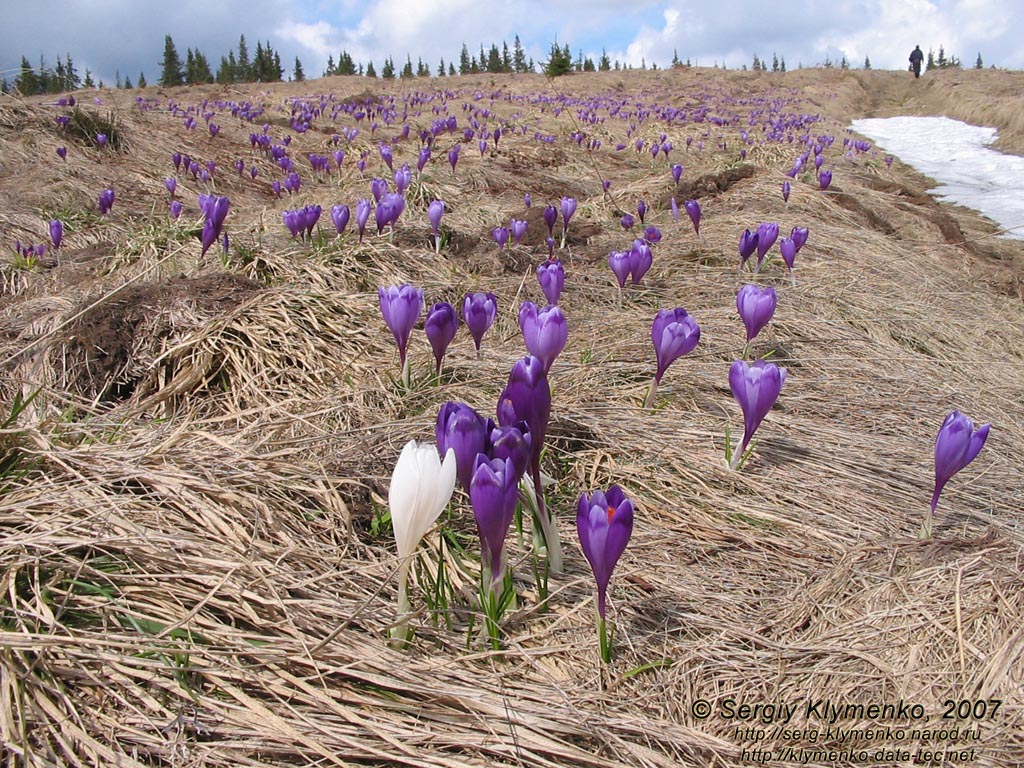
197	565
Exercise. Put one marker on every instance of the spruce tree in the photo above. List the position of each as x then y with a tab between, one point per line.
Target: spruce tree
170	72
464	63
518	56
297	74
422	70
506	58
388	70
867	63
244	71
559	62
775	62
604	64
494	59
88	81
127	83
931	60
451	69
441	68
978	64
407	67
141	82
370	71
26	82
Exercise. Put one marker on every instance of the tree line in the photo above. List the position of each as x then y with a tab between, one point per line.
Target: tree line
237	66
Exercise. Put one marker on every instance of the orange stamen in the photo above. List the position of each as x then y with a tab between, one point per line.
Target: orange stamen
611	513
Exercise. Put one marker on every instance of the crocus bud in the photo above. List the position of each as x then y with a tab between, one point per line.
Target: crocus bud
640	260
627	221
604	523
434	213
785	191
551	276
500	235
467	433
62	153
693	211
106	201
677	172
756	306
824	179
756	387
478	312
550	217
400	305
956	446
56	232
175	209
362	216
340	215
641	210
440	326
619	262
767	234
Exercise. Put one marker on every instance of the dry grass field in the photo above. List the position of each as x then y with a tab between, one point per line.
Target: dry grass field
195	452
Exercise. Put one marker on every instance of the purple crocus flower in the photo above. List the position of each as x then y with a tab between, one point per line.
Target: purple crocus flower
604	523
478	312
106	201
748	244
799	235
551	276
652	235
550	217
568	209
788	249
171	184
400	305
386	155
756	387
677	172
175	209
767	234
453	156
640	260
527	200
388	210
517	227
276	187
512	441
403	178
956	446
641	210
674	333
500	235
62	153
627	221
619	262
824	179
493	491
101	140
527	397
214	209
362	216
467	433
675	210
756	306
377	188
56	232
545	331
340	215
434	213
440	326
786	188
693	211
422	159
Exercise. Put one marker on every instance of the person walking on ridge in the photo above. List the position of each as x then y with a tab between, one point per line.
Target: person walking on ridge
916	57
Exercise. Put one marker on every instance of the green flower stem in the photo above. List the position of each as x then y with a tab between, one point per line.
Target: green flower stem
602	638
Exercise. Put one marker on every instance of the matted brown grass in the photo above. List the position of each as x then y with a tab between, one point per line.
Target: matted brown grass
193	571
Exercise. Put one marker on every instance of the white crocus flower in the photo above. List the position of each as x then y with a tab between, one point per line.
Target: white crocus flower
421	487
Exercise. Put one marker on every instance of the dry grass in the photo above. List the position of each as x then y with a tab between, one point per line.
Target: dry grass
194	573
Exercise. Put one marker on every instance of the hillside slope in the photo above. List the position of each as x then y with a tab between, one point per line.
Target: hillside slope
197	570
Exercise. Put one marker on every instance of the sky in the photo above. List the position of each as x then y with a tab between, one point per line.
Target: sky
957	156
126	37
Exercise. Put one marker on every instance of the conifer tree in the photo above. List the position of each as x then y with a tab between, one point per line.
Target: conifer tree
26	82
978	64
244	72
604	64
451	69
127	83
171	73
867	63
88	81
388	70
422	70
441	68
464	63
370	71
141	82
297	74
407	67
559	61
518	56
